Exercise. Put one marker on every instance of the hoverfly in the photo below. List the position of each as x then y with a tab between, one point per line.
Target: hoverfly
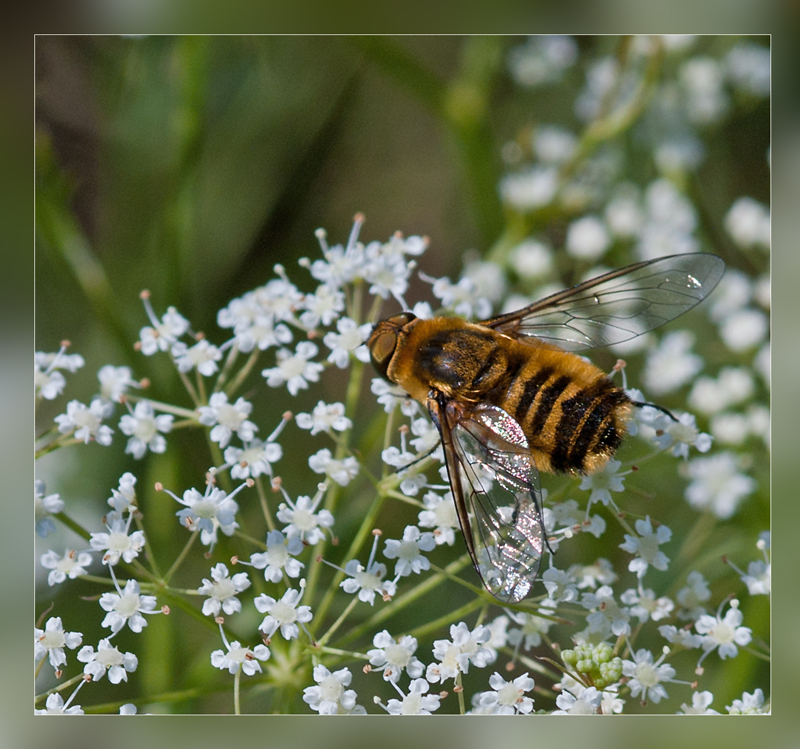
510	397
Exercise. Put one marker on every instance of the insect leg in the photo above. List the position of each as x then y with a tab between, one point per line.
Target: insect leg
663	410
426	454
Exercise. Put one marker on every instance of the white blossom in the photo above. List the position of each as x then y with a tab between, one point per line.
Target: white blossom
645	547
342	471
507	697
52	640
416	702
284	613
348	341
87	422
144	428
717	485
295	370
227	419
107	659
237	658
222	591
164	333
279	557
254	459
392	657
723	634
408	551
71	564
203	356
127	606
331	696
303	520
646	676
324	418
454	656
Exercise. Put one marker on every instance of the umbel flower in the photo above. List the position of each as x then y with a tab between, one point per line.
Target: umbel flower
290	613
330	622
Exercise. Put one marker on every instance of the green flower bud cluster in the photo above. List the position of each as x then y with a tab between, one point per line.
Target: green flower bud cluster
595	663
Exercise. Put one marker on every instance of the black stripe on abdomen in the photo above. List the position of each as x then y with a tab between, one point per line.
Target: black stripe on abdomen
546	403
599	432
587	426
530	390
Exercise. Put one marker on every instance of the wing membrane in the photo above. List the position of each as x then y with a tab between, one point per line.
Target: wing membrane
496	490
617	306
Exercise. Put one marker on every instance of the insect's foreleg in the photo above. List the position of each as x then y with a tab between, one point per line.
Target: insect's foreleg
419	459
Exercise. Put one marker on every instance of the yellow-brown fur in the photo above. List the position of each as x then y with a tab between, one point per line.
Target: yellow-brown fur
571	414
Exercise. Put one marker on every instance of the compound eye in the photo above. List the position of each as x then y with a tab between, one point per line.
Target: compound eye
381	349
383	341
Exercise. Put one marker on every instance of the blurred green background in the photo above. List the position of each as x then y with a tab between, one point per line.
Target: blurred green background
189	166
193	164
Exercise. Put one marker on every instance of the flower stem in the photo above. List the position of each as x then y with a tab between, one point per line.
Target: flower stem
242	374
322	640
166	408
404	601
459	690
363	532
237	708
177	563
262	498
226	368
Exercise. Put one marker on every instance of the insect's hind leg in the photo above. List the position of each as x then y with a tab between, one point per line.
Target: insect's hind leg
640	404
620	367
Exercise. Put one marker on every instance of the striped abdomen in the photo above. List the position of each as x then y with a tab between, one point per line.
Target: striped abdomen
572	415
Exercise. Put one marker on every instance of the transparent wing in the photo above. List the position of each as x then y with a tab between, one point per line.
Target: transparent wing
496	490
617	306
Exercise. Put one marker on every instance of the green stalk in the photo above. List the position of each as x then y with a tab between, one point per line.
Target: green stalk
363	532
350	606
179	559
401	602
226	368
242	374
352	396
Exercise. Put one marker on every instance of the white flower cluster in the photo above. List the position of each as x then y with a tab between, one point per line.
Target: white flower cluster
325	590
260	320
